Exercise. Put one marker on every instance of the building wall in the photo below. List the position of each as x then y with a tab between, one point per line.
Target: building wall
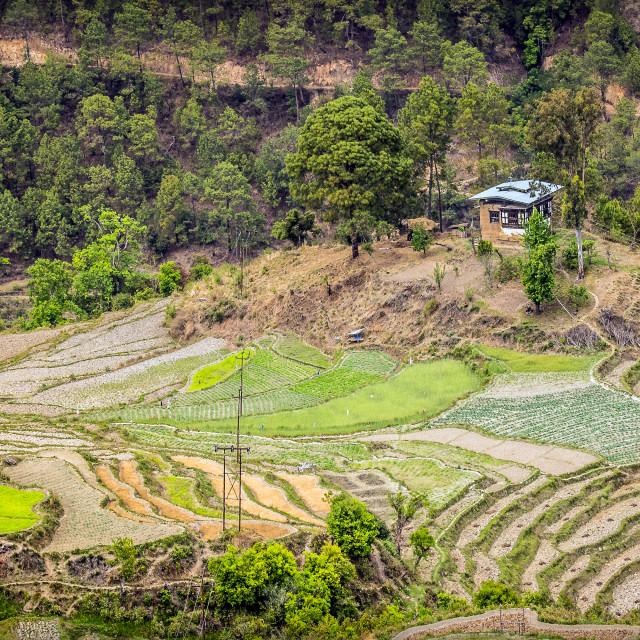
493	230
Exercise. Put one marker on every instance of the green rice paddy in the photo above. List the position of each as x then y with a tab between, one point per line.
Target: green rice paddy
15	508
291	346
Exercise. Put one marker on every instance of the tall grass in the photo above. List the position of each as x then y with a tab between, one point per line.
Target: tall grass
535	363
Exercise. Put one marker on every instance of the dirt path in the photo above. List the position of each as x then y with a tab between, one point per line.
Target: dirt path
615	376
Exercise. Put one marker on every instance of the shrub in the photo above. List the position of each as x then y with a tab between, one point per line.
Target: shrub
169	279
122	301
582	336
578	295
508	269
200	268
494	594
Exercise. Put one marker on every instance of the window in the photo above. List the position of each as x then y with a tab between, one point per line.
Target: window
494	216
513	218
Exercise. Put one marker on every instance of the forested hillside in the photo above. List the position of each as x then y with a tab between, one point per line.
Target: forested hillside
108	162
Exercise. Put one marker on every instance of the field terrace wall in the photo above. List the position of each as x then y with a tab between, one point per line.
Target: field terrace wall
491	621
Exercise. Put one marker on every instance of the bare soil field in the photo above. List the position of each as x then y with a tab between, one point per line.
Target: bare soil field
603	524
130	476
84	524
268	530
123	491
577	567
276	498
626	595
472	531
548	458
486	569
308	488
545	554
587	595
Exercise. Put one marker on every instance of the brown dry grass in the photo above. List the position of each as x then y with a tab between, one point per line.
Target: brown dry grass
118	510
268	530
123	491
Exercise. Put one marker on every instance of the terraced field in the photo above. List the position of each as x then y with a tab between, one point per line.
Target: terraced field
16	508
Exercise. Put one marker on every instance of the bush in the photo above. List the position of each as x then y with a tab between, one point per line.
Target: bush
492	594
578	295
169	279
351	525
508	269
200	268
570	253
122	301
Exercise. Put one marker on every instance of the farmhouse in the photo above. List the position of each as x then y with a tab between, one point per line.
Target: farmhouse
506	207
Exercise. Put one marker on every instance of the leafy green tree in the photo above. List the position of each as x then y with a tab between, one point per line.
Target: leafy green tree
49	289
538	276
463	63
16	231
101	123
249	35
363	88
206	56
190	122
426	124
143	136
631	70
426	45
563	125
322	587
568	71
286	47
128	557
172	214
169	278
351	165
421	239
574	213
603	63
133	27
233	212
390	56
493	594
243	575
95	43
296	226
421	541
270	162
129	185
537	231
351	525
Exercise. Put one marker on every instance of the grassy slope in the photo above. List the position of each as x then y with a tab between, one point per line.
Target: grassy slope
15	508
535	363
415	394
215	373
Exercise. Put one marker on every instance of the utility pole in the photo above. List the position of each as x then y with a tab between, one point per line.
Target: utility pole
231	490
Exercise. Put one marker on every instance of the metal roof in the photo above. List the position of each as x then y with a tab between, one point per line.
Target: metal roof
520	191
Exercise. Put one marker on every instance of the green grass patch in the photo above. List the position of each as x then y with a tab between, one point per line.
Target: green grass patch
291	346
415	394
374	362
215	373
536	363
180	491
15	508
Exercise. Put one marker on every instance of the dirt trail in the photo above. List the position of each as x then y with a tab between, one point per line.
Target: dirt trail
214	474
308	488
123	491
614	377
130	476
